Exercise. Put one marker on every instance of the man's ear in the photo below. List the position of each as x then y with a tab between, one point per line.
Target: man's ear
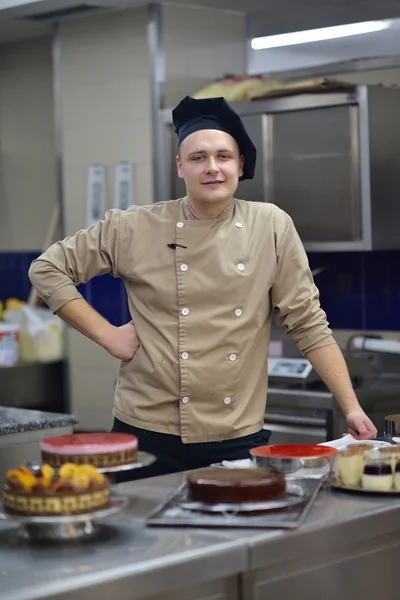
241	164
179	166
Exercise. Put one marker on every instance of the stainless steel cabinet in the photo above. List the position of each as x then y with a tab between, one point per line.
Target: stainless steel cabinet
331	161
221	589
314	163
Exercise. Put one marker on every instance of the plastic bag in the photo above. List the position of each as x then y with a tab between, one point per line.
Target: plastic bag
41	333
233	89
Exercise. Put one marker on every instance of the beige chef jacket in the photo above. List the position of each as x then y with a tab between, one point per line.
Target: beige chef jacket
202	311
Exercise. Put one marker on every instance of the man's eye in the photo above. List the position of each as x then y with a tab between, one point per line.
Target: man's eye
197	158
224	156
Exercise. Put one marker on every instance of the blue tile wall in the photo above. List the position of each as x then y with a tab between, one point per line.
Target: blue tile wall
358	290
382	291
106	294
14	281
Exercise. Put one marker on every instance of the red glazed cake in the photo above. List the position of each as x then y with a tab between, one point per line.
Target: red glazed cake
98	449
235	486
72	490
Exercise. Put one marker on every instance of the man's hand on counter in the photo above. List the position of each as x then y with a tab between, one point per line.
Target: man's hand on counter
360	426
122	342
329	363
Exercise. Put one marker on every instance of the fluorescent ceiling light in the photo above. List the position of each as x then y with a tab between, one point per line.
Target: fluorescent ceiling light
317	35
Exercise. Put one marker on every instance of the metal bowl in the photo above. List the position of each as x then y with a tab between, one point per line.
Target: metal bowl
392	425
300	459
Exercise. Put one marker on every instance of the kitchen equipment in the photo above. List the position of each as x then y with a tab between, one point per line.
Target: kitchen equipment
36	386
392	426
300	408
171	513
289	458
345	143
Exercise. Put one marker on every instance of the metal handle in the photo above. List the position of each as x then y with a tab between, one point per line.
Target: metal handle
309	432
295	420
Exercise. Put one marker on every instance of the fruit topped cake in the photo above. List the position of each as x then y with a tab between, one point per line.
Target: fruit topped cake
98	449
235	486
70	490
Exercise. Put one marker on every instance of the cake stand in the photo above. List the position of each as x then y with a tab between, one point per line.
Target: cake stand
73	527
144	459
66	528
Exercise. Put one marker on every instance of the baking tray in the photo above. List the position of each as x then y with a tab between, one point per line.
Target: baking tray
170	512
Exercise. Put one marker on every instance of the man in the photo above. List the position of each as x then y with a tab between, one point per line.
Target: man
202	275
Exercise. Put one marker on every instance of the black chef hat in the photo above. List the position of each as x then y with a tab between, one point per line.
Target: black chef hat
214	113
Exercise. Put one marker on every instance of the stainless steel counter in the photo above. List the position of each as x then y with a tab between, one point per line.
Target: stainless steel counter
349	547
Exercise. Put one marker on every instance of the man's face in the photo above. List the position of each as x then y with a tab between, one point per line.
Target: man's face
210	164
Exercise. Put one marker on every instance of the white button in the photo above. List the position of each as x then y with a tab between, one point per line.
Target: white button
239	225
227	400
185	399
185	267
240	267
185	355
185	311
180	224
238	312
232	357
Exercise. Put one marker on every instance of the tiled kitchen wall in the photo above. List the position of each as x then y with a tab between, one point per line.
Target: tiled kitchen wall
201	45
105	103
28	190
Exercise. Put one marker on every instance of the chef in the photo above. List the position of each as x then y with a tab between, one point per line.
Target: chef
203	274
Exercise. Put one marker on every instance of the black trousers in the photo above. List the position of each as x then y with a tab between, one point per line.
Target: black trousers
173	456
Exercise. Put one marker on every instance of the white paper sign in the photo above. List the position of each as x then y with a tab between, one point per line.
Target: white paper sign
124	175
96	194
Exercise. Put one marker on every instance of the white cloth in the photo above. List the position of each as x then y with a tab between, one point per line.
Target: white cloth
341	443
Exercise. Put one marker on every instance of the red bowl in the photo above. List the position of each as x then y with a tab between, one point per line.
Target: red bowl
293	451
290	458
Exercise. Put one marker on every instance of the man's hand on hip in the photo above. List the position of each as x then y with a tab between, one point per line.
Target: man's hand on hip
122	342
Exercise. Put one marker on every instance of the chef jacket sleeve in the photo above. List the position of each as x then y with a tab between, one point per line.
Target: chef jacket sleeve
66	264
295	296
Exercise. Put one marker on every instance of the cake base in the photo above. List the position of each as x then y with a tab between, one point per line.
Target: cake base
55	503
64	528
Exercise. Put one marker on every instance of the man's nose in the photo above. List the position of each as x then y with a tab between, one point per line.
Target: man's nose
212	166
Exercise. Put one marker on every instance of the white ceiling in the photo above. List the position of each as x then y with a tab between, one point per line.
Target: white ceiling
379	44
265	17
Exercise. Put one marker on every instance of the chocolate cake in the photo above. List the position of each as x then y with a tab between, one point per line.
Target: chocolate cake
72	490
98	449
235	486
